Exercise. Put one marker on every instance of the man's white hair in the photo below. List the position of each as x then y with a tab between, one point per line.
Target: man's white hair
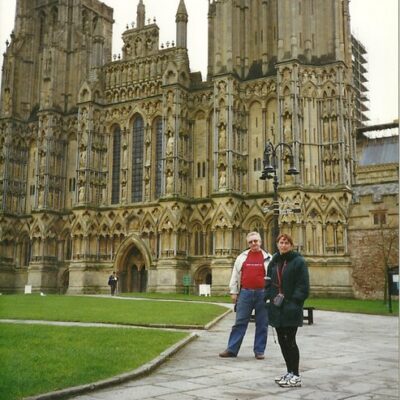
254	233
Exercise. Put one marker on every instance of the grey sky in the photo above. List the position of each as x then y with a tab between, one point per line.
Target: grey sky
374	23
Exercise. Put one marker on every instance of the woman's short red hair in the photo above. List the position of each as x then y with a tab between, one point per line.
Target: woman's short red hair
284	236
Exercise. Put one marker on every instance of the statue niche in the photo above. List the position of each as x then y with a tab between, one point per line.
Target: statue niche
222	137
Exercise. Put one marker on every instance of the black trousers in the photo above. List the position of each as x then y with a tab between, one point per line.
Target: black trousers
113	287
290	351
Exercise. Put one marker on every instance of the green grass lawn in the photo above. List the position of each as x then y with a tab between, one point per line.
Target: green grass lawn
108	310
329	304
376	307
37	359
179	296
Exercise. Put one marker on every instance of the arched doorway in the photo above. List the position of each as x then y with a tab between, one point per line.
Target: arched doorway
132	273
64	282
203	276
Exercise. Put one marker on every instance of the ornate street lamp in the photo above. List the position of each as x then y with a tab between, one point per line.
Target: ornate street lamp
270	163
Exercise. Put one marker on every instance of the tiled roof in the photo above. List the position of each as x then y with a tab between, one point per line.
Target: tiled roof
384	150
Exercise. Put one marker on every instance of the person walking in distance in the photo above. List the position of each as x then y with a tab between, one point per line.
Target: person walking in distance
287	287
112	282
247	290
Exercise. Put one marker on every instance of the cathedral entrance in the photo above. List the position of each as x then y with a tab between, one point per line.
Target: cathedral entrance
132	273
203	276
64	283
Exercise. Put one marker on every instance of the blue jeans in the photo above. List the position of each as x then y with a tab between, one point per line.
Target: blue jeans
248	301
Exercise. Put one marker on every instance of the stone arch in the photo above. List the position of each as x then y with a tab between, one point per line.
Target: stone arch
314	237
171	74
183	78
132	263
257	223
335	230
200	113
309	89
202	275
84	94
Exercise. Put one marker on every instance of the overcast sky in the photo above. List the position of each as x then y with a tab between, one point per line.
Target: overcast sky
374	23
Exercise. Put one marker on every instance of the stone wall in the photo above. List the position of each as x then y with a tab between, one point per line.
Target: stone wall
370	250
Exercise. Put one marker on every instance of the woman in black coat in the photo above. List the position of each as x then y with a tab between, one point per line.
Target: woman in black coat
287	286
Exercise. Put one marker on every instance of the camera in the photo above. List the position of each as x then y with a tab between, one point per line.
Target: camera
278	300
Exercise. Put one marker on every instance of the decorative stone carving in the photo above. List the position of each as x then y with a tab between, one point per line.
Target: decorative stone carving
81	193
170	182
170	145
222	179
222	137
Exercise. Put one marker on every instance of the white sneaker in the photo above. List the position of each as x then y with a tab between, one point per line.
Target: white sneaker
293	381
281	379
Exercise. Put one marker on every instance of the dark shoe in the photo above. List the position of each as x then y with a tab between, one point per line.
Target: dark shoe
259	356
226	354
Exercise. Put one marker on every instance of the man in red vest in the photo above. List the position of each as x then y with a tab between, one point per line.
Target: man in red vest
247	289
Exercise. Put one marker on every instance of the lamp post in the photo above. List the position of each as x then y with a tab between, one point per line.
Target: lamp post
270	163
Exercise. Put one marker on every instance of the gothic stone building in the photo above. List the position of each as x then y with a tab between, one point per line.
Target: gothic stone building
138	165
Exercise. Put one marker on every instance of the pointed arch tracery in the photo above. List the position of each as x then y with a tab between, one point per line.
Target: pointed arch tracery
116	165
137	158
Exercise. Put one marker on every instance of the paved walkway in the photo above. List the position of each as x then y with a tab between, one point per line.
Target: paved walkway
343	356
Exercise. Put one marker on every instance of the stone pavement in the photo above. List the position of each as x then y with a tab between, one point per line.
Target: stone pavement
343	356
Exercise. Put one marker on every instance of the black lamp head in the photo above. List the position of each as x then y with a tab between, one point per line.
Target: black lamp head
264	175
292	171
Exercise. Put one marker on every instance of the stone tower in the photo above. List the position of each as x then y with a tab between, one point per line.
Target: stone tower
281	71
249	37
55	47
137	165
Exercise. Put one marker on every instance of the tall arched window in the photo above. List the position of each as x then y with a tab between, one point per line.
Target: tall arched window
27	251
54	15
158	125
198	240
85	19
68	250
42	25
116	166
210	240
137	159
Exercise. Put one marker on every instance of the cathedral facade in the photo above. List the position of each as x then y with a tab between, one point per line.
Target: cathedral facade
137	165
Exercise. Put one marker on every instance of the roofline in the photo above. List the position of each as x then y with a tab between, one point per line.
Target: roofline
379	127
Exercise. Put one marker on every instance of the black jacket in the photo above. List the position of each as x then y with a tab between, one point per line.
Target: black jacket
295	287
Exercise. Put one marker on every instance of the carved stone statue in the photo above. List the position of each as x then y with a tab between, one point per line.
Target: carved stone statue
82	158
329	235
124	154
41	197
327	171
287	129
339	235
138	47
170	182
170	146
222	179
222	137
81	196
